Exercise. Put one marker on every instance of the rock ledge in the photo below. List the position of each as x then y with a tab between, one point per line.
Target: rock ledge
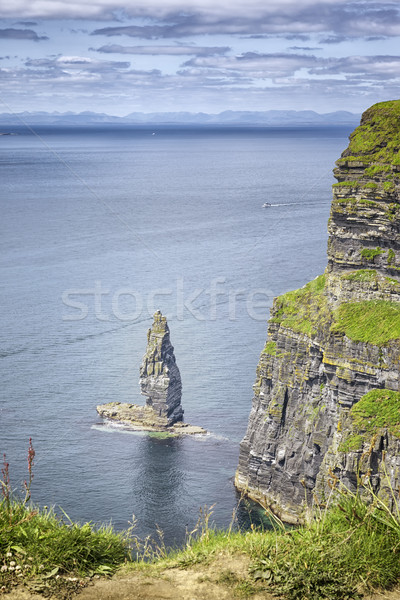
143	418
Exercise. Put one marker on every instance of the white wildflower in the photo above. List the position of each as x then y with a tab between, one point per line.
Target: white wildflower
11	568
12	563
4	569
9	554
18	568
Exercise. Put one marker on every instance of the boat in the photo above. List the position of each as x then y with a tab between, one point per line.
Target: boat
266	204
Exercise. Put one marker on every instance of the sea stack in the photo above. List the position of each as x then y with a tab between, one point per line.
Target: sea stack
160	380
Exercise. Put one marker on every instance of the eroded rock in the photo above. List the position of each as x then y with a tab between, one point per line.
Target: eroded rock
160	382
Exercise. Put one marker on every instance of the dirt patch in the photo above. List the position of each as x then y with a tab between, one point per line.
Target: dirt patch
219	580
225	578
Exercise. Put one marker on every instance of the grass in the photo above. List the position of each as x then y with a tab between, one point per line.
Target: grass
376	322
270	348
376	410
37	544
348	548
302	310
361	275
378	136
371	253
48	552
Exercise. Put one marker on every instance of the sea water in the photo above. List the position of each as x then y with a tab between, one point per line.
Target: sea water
99	228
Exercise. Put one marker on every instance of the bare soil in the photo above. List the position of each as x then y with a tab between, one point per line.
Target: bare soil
225	578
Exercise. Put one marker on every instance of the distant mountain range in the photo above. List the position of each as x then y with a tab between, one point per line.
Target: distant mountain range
270	118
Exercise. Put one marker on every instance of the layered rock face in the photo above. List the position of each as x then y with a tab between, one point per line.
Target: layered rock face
160	380
326	407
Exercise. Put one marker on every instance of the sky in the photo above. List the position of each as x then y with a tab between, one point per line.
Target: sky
198	55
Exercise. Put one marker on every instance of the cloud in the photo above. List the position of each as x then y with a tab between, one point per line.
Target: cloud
180	18
76	63
253	65
362	67
21	34
27	23
291	19
334	39
164	50
304	48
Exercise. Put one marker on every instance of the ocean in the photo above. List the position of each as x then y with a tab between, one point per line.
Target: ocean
99	228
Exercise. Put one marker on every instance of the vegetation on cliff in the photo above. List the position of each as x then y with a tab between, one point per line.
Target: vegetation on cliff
377	139
377	412
333	341
374	321
301	310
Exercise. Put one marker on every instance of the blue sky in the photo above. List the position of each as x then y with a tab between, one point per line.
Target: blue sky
198	55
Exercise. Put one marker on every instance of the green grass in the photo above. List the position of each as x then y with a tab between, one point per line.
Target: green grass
270	348
377	170
351	546
351	443
345	550
361	275
376	410
376	322
353	184
378	137
389	187
371	253
302	310
391	256
38	545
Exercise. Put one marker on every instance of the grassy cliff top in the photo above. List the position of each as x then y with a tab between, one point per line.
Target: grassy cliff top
377	139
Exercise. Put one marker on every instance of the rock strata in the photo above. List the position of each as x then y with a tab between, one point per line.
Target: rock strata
326	407
160	382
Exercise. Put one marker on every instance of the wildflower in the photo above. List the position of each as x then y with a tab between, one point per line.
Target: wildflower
18	568
31	456
12	563
9	554
4	569
27	566
30	558
11	568
41	567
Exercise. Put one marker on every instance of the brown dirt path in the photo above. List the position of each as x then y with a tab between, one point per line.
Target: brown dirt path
222	579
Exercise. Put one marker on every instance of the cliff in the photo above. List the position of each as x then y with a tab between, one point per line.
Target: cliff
326	404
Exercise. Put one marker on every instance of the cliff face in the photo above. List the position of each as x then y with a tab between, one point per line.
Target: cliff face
327	400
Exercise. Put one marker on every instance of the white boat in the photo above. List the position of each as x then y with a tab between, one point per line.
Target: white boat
266	204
